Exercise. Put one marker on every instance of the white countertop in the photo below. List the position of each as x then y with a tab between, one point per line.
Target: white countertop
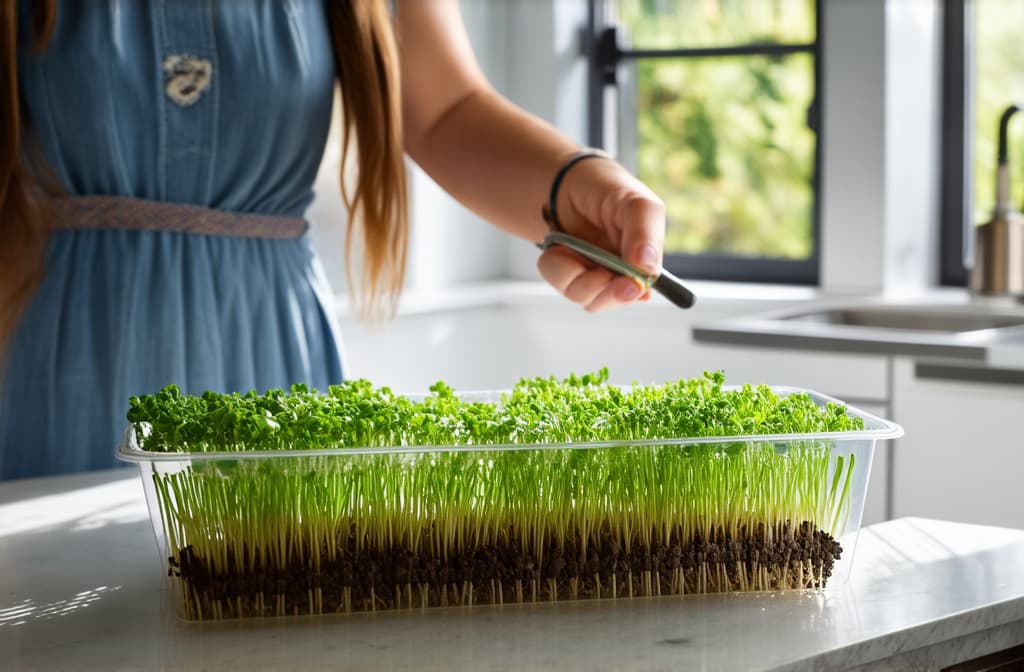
81	588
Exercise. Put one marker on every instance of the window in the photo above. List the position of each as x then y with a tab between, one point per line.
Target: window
715	102
983	75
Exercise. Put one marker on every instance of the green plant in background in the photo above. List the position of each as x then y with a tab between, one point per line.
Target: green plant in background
724	141
501	522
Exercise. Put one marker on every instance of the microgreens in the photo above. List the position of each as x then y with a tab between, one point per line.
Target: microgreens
401	529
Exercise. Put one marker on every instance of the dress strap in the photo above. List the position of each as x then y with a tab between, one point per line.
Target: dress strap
116	212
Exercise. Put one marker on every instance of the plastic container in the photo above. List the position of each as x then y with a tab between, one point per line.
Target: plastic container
237	531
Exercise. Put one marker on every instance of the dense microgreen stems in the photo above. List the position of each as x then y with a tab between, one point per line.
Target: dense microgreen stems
244	516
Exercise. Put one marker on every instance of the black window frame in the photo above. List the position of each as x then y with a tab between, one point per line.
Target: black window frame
956	216
605	55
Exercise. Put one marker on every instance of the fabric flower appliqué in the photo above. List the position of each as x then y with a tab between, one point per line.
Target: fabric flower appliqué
186	77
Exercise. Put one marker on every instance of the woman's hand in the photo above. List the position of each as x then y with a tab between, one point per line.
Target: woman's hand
599	201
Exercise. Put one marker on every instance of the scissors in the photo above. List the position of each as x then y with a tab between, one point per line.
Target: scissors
664	282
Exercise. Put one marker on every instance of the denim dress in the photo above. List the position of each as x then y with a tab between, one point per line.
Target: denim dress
224	104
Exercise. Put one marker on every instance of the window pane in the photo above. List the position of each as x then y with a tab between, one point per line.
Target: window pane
725	143
999	83
654	24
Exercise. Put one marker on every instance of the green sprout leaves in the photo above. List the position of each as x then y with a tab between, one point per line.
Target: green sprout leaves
537	410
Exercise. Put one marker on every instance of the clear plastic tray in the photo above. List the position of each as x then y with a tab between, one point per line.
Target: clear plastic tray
236	531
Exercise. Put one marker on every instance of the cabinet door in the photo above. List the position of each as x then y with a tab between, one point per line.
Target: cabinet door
962	457
850	377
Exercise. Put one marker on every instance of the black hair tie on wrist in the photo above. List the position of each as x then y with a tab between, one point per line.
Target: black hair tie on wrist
548	211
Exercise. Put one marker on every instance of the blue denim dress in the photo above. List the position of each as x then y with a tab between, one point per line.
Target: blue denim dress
224	104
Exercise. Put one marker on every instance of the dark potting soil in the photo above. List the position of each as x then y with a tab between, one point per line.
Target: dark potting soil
397	578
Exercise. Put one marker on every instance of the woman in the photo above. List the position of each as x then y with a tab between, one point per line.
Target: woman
155	164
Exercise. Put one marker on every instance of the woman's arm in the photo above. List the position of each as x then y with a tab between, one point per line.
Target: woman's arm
499	161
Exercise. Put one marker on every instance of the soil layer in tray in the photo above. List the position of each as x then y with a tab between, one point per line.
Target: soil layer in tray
398	578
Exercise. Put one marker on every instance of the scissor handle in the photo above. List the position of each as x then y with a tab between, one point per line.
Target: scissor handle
664	283
599	256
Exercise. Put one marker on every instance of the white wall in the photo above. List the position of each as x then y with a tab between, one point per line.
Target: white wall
450	245
881	122
913	123
853	154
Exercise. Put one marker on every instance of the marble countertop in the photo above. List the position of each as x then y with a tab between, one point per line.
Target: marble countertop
81	588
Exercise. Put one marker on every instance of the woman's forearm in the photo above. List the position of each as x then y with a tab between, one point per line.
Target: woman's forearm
496	159
492	156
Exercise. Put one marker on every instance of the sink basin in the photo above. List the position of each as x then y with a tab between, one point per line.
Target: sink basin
907	319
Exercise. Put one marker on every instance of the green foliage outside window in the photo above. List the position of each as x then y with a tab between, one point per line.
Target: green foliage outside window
667	24
724	140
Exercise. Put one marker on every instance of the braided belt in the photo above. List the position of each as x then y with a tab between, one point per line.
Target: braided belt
118	213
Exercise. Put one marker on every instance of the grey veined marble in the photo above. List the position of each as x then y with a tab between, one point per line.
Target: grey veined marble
80	588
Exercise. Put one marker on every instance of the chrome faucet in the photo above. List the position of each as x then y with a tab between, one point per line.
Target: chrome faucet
999	242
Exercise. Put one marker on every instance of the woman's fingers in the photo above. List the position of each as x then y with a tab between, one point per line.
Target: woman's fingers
575	277
619	292
582	282
641	218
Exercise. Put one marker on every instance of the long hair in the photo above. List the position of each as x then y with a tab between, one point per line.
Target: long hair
22	226
366	62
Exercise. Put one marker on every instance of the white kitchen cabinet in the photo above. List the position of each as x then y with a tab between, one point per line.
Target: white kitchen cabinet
847	376
475	349
962	457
